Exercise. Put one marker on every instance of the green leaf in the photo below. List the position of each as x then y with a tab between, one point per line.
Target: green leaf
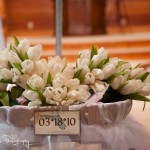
102	63
13	102
144	76
26	56
6	81
4	98
136	96
137	65
16	40
41	96
93	51
10	47
49	78
16	92
77	74
120	63
17	52
91	64
18	66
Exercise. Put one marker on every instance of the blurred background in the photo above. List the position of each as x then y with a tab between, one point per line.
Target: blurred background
120	26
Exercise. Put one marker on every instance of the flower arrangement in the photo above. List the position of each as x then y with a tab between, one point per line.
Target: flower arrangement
54	82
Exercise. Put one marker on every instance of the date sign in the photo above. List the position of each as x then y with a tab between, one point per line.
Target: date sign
57	122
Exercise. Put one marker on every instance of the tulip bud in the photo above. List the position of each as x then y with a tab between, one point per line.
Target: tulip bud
35	52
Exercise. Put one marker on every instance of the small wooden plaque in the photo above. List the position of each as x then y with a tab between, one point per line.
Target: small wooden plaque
57	122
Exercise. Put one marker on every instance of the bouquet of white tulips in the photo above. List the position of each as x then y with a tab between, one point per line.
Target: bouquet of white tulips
54	82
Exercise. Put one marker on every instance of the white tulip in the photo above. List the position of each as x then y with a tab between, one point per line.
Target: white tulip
31	95
73	95
3	86
84	58
98	74
51	102
83	87
108	70
4	59
72	84
27	67
67	102
13	58
35	103
89	78
5	74
48	93
83	95
23	80
68	73
98	86
35	52
23	47
124	67
59	94
58	82
41	66
146	89
85	70
114	61
136	72
56	65
16	74
132	86
36	82
147	80
118	81
102	54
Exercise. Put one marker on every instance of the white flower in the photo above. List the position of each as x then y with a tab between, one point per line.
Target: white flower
4	59
68	73
35	52
56	65
89	78
98	86
23	47
48	93
102	54
108	70
123	67
27	67
98	74
35	103
147	80
16	74
117	82
52	102
3	86
72	84
83	87
5	74
85	70
23	80
67	102
83	95
146	89
36	82
13	58
84	58
136	72
41	67
59	94
114	61
31	95
73	95
58	82
132	86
